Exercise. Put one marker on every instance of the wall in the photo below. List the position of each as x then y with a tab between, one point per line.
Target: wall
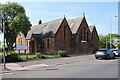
20	40
95	40
62	40
83	45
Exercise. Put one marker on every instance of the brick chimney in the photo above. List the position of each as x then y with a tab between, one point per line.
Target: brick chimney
40	22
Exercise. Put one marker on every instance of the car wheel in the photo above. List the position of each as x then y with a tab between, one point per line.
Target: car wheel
108	57
96	57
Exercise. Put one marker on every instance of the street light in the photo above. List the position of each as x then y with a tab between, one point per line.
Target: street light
111	32
3	26
106	43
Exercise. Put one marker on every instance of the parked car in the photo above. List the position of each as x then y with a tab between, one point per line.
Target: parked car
117	52
104	53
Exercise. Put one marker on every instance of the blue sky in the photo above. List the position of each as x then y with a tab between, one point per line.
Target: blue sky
98	13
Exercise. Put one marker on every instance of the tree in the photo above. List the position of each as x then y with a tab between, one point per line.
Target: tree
15	20
103	40
118	45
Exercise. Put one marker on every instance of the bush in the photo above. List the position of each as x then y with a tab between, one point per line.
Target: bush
62	53
39	55
17	53
31	57
12	58
44	56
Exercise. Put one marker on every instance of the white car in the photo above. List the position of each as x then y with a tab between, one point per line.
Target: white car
104	53
117	52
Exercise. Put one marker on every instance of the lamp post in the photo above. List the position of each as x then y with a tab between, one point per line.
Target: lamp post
106	43
111	32
3	26
4	46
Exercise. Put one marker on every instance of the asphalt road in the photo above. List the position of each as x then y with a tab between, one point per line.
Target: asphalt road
85	69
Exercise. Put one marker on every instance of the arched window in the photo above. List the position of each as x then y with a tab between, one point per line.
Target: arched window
81	35
64	32
19	41
48	42
87	36
84	34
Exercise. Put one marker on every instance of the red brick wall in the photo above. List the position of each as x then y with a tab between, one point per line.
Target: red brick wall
62	43
83	45
48	46
95	39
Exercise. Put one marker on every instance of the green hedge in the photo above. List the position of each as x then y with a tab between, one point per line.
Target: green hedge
42	56
62	53
12	58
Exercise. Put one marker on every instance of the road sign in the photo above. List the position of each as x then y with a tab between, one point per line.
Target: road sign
21	47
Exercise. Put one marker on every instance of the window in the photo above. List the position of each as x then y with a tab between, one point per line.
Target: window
20	41
87	36
48	43
81	35
64	32
84	34
27	42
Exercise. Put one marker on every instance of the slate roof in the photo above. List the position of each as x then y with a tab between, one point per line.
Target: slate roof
45	29
91	28
74	24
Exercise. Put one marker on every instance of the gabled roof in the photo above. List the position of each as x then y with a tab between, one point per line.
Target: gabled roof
74	24
91	28
45	29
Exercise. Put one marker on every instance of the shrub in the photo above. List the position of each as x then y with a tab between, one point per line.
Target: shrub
42	56
62	53
13	52
31	56
38	55
12	58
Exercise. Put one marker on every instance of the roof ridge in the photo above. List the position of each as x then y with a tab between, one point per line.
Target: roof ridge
47	22
52	21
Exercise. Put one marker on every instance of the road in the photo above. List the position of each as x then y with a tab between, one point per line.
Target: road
84	69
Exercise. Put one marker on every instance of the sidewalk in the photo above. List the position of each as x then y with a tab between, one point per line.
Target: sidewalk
47	62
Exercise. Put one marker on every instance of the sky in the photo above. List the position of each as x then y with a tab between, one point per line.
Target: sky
102	14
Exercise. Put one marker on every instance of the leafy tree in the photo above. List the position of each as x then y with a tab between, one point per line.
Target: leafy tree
103	40
118	45
15	20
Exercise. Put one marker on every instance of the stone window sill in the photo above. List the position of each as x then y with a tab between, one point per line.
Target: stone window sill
84	41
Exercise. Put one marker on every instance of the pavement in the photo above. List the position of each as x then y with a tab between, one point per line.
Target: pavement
69	67
45	63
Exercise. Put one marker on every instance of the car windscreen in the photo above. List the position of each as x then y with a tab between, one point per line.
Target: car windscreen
114	50
102	50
